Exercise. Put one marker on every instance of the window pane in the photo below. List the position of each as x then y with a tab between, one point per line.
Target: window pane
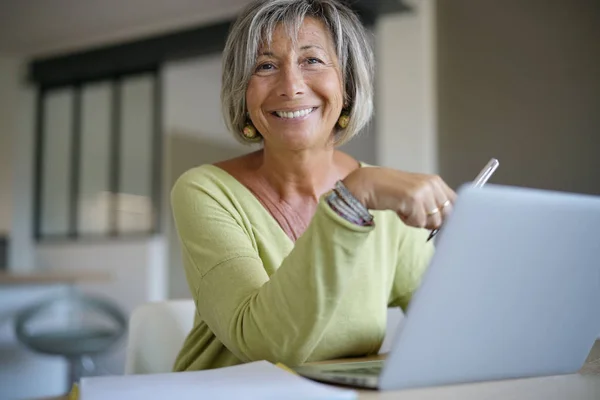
56	172
94	192
134	200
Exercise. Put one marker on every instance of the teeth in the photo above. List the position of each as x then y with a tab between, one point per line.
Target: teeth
295	114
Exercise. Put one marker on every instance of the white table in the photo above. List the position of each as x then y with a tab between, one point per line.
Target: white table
583	385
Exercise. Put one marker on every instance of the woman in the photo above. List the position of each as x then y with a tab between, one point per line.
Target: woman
293	253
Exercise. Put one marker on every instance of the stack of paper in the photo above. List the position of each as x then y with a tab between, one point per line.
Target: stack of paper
257	380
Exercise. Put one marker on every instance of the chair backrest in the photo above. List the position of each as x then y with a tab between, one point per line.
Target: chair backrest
156	333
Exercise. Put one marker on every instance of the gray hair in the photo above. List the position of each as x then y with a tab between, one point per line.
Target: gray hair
256	25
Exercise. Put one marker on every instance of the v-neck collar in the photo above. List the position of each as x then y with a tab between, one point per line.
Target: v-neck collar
257	202
249	194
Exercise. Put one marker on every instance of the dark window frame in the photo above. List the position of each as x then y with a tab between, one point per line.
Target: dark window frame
114	162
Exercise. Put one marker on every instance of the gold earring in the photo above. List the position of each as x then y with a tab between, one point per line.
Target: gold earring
344	120
249	132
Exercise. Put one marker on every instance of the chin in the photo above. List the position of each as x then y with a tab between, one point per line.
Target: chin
301	141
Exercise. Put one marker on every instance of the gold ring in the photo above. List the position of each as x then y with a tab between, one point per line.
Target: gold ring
446	204
433	212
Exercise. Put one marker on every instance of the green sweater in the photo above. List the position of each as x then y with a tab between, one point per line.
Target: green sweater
260	296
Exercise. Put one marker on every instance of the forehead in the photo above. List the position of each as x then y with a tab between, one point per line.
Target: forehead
310	31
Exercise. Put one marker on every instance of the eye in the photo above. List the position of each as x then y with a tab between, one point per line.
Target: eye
265	67
313	60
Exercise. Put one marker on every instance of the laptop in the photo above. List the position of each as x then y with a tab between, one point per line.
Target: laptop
512	291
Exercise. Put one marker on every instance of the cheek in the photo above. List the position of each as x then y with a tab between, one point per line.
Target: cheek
253	94
330	89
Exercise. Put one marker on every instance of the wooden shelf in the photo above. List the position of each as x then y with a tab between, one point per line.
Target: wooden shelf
54	278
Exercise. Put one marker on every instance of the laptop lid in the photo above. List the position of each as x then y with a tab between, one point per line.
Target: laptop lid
512	291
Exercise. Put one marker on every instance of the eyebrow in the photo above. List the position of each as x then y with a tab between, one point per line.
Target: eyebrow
310	46
268	53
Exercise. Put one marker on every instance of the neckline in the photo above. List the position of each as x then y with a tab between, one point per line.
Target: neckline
256	201
251	195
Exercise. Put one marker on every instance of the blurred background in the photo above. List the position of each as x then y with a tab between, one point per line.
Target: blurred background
103	104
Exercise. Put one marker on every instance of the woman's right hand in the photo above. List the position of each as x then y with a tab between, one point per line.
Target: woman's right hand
420	200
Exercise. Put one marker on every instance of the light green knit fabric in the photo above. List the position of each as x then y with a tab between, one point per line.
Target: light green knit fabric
259	296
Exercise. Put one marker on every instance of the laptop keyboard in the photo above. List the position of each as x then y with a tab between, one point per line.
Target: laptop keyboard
374	370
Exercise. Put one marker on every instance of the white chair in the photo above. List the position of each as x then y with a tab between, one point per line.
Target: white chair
156	333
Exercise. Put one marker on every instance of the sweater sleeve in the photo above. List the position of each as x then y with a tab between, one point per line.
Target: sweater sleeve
414	255
279	318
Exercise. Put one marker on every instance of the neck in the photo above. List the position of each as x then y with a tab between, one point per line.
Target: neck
306	174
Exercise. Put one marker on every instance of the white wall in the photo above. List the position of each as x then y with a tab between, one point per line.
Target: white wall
21	248
192	99
10	68
406	90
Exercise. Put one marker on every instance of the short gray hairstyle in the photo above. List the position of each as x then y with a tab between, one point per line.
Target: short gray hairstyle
256	24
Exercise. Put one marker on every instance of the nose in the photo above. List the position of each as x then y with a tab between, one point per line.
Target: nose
291	82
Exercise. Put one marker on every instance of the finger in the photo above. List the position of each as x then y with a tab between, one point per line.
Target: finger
404	209
443	198
435	202
412	213
405	219
418	219
450	194
446	209
433	214
423	202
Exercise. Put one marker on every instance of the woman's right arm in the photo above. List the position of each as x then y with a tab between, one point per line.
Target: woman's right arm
420	200
279	318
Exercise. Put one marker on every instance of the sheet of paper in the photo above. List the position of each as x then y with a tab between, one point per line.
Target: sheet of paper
257	380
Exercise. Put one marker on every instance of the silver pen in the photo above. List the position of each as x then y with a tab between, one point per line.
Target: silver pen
479	181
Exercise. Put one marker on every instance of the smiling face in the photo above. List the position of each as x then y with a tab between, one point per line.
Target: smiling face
295	94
